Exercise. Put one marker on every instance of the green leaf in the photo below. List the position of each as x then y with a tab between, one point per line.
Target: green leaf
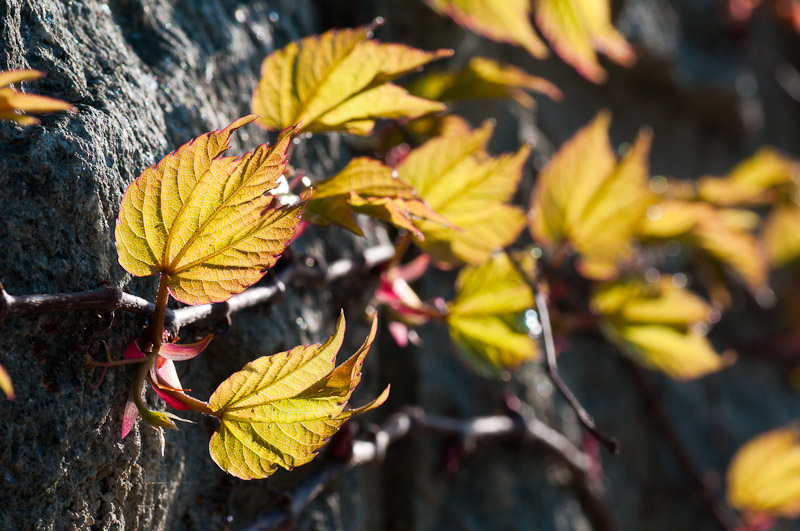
460	181
280	409
206	221
368	187
486	318
339	81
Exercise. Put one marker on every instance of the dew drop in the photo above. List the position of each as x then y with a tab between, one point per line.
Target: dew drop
274	17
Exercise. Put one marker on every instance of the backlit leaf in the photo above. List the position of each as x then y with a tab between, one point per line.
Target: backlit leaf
206	221
14	104
460	181
484	79
764	475
753	181
487	317
584	198
5	383
280	409
578	28
339	81
368	187
781	235
506	21
656	325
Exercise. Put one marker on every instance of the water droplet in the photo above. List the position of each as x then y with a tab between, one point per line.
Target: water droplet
624	149
306	181
713	316
544	388
672	248
701	329
652	275
680	280
654	213
536	252
659	184
301	323
229	518
241	16
532	324
274	17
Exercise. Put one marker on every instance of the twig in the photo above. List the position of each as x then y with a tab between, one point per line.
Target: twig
399	425
705	480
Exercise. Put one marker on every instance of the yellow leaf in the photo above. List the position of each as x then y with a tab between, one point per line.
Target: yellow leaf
338	81
506	21
484	79
280	409
368	187
753	181
584	198
781	235
487	318
576	28
656	326
206	221
13	103
5	383
460	181
764	475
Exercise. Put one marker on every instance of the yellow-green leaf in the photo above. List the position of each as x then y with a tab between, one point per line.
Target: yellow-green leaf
206	221
753	181
484	79
487	317
656	324
578	28
504	21
764	475
5	383
781	235
584	198
339	81
460	181
14	104
280	409
369	187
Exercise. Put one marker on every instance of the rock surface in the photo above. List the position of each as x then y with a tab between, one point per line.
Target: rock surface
147	75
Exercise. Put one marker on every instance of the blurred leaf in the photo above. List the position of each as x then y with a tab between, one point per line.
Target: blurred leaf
483	79
459	180
205	221
584	198
781	235
280	409
764	475
338	81
486	318
14	104
5	383
717	233
752	182
506	21
368	187
655	324
576	28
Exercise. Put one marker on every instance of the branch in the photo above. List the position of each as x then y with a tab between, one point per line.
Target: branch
525	427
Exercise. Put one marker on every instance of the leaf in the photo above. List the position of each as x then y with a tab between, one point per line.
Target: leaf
368	187
13	103
576	28
339	81
584	198
752	182
506	21
460	181
781	235
280	409
205	221
484	79
764	475
5	383
717	233
656	325
486	318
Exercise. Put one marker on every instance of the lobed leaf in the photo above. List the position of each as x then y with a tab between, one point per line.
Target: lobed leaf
484	79
764	475
14	104
506	21
655	324
368	187
460	181
280	409
486	318
339	81
578	28
584	198
206	221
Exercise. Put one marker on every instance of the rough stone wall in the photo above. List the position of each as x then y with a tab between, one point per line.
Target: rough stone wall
147	75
